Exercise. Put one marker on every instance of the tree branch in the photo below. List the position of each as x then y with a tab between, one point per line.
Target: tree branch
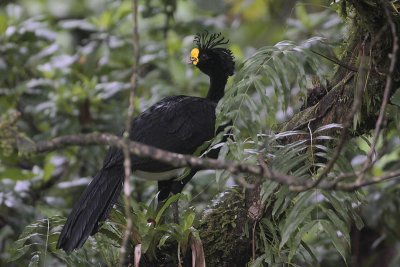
131	108
179	160
173	159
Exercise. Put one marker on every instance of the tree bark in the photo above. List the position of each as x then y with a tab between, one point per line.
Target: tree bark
370	40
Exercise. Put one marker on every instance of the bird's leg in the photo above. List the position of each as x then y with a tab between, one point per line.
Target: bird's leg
164	188
175	212
167	187
174	187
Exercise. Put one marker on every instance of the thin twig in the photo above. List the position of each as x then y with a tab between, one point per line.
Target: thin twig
386	94
253	240
127	159
311	142
47	242
336	61
373	180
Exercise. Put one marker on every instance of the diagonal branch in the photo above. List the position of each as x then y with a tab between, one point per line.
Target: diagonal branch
179	160
171	158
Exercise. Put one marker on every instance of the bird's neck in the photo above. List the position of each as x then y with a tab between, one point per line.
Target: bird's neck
217	87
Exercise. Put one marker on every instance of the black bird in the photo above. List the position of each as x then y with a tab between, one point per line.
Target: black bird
179	124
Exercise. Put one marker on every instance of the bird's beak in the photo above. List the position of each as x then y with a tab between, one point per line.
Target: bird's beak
193	60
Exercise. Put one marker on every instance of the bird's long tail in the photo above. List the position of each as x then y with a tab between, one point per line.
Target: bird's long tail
92	207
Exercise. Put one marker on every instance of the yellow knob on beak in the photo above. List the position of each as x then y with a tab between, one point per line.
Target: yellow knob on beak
194	56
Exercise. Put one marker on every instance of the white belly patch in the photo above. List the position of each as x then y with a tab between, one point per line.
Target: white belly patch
158	176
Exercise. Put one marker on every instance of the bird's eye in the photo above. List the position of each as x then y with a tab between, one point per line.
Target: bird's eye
203	57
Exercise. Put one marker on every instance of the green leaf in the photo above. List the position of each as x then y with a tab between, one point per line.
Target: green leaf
267	189
163	239
3	23
311	253
16	174
259	262
48	171
34	261
281	196
341	246
328	127
167	203
395	98
296	241
271	228
339	224
188	220
296	216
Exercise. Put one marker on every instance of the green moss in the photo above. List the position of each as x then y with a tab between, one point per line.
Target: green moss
222	232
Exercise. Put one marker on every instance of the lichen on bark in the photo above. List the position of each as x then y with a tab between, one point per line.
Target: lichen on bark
370	37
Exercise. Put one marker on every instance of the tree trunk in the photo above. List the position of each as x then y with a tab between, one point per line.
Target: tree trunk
367	48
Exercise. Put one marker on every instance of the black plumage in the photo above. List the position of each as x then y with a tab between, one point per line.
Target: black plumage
178	123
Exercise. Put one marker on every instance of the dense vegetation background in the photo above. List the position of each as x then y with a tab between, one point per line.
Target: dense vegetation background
65	68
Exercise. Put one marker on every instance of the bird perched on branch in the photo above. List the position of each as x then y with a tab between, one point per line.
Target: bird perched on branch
179	124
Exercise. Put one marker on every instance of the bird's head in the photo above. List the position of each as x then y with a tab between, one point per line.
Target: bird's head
209	57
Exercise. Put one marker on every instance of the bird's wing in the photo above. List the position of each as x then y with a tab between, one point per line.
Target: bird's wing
178	124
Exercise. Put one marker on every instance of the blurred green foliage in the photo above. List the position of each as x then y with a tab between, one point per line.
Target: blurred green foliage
65	66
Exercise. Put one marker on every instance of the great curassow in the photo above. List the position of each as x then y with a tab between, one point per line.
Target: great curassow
178	124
